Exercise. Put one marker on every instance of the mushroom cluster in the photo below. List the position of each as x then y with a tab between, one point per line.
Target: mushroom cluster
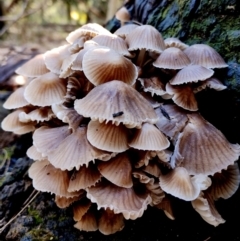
116	126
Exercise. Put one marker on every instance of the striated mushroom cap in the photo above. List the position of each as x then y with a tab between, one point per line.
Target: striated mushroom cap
172	58
46	178
204	55
125	30
179	184
110	223
108	137
149	138
119	199
46	90
145	37
206	208
204	149
103	64
117	102
16	99
191	73
118	170
183	96
34	67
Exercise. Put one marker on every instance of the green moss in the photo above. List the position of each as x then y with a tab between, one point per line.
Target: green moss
36	215
39	234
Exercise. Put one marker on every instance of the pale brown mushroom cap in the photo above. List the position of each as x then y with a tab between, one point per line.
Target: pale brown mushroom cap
225	183
34	154
46	90
179	184
204	55
204	149
166	206
191	73
149	138
103	64
183	96
75	151
66	67
63	202
118	199
172	119
113	42
144	157
46	178
88	30
125	30
123	15
34	67
47	139
117	102
88	222
172	58
110	223
154	85
54	58
108	137
80	208
145	37
175	42
12	123
211	83
206	208
118	170
84	177
16	99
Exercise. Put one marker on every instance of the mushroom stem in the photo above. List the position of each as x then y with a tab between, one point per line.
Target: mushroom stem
141	57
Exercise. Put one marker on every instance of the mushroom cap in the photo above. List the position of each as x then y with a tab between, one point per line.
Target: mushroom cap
108	137
119	199
66	67
175	42
166	206
84	177
125	30
149	138
110	223
34	67
46	90
46	178
179	184
172	58
63	202
204	55
113	42
88	30
46	139
191	73
123	15
88	222
225	183
205	150
12	123
117	102
80	208
103	64
54	58
206	208
154	85
118	170
183	96
145	37
16	99
75	151
34	154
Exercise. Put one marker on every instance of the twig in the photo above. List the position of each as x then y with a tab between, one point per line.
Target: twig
13	218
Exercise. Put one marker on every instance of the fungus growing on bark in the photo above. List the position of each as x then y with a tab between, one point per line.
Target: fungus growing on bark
109	145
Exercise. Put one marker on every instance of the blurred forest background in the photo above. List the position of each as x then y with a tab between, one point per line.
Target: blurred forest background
45	24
